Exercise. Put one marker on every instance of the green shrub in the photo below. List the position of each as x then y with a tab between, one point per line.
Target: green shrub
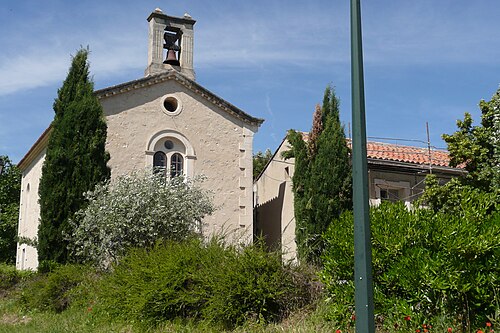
10	277
156	285
250	284
425	264
193	280
135	211
57	290
47	266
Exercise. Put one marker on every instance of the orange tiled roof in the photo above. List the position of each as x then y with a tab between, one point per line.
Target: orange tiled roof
399	153
407	154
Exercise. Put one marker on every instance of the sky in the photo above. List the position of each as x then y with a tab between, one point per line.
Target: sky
424	61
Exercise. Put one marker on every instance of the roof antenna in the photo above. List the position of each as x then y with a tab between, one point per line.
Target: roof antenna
429	146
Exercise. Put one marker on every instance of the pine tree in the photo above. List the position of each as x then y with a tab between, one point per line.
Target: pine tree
75	160
322	177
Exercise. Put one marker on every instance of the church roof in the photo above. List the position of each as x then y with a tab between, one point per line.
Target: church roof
190	84
42	141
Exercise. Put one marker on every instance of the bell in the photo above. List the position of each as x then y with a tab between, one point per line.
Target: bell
171	58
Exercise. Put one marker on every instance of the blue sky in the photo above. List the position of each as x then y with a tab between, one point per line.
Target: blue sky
425	61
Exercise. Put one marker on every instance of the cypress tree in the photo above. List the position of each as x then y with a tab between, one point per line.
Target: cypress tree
330	183
322	177
75	159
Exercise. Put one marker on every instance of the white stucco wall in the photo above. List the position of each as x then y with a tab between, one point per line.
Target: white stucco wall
278	174
29	213
220	148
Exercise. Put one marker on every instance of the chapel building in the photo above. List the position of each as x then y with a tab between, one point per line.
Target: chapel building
165	119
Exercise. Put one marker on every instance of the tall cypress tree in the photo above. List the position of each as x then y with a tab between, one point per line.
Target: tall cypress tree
75	159
330	183
322	177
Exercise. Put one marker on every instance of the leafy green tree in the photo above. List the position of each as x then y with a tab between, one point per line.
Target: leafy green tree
137	210
75	160
478	147
322	177
260	161
477	150
10	189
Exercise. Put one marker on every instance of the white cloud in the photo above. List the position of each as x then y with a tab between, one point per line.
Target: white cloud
25	72
302	36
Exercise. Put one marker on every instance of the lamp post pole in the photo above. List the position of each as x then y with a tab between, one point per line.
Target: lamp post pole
362	243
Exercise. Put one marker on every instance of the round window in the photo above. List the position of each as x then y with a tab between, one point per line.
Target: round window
169	144
170	104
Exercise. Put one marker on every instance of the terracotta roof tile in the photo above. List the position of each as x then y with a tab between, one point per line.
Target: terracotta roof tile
399	153
407	154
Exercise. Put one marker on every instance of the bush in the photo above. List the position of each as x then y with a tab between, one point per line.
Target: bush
135	211
192	280
10	277
250	284
425	264
57	290
156	285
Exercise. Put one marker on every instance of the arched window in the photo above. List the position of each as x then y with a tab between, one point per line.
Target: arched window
172	152
159	162
176	165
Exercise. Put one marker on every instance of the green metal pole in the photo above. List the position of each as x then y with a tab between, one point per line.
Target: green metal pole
362	243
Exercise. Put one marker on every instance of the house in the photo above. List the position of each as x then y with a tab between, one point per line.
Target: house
395	173
165	119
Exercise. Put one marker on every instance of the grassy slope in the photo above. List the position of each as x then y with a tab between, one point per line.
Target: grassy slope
82	320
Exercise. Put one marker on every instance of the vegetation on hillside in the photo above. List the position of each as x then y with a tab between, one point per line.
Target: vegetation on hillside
206	286
75	160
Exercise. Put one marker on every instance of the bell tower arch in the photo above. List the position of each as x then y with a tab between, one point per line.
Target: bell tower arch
170	44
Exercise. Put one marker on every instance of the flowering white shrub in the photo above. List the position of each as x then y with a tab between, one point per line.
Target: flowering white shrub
135	211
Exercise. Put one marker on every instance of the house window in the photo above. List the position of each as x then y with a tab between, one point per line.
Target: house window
159	162
389	194
393	191
176	165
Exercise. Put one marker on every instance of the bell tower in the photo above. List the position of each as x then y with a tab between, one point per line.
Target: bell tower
170	44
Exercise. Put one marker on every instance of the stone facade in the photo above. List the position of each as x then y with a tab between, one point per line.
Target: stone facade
154	118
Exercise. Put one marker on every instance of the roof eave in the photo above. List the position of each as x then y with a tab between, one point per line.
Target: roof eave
186	82
35	150
414	166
